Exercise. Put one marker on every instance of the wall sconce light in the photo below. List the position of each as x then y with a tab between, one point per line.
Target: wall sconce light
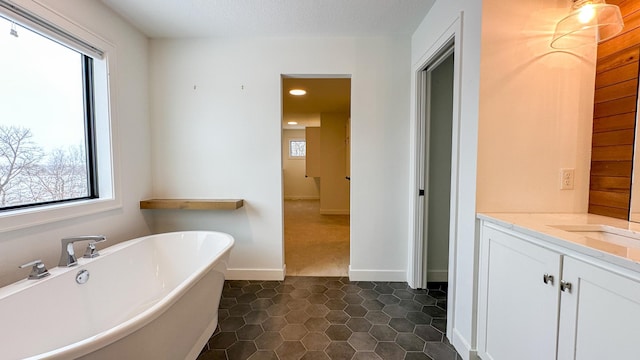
589	22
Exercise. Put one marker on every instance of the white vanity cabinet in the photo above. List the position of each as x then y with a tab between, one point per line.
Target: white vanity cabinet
518	311
538	301
599	315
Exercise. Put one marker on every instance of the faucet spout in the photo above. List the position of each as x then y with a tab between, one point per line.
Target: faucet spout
68	256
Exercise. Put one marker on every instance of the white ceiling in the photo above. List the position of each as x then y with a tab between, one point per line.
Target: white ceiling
232	18
224	18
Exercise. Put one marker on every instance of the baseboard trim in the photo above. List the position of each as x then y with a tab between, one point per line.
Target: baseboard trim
377	275
437	275
255	274
462	347
334	211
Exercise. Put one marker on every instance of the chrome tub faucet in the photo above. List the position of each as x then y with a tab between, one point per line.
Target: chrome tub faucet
68	256
38	270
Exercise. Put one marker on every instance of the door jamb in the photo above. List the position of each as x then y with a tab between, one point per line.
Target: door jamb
453	34
424	152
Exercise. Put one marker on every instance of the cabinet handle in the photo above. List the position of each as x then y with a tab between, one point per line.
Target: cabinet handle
565	286
547	279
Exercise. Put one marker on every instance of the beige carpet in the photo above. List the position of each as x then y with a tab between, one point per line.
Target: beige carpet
315	245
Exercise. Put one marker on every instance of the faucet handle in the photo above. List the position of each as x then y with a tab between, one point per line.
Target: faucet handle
38	271
68	256
91	250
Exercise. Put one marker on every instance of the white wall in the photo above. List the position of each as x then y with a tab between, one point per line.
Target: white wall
536	111
130	109
440	20
215	107
296	185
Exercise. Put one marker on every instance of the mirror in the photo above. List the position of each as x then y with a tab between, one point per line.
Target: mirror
634	204
633	52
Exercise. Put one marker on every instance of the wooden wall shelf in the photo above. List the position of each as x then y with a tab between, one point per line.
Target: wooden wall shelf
192	204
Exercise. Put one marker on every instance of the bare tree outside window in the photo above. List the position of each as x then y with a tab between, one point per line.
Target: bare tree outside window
18	157
62	176
29	175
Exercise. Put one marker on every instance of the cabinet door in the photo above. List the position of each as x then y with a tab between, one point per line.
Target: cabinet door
599	315
518	311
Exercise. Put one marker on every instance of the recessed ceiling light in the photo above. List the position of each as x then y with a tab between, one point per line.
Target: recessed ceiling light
297	92
292	123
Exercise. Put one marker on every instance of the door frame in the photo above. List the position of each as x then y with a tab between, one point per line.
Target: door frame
424	152
451	37
282	200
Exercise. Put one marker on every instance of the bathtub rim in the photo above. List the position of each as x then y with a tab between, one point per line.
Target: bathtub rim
111	335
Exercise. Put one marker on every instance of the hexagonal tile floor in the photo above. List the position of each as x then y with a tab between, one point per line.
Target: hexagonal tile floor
330	318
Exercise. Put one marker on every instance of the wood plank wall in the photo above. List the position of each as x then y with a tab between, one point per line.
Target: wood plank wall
614	116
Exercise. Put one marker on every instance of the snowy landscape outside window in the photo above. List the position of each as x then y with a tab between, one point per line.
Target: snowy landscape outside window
297	149
46	120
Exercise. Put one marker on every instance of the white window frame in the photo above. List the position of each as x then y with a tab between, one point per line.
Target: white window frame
291	157
107	154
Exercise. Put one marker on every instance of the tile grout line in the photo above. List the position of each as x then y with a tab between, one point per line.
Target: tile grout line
344	320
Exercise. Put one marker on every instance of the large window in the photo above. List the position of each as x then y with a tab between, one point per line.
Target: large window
47	142
58	130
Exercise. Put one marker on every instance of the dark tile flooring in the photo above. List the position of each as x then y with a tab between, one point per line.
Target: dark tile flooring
329	318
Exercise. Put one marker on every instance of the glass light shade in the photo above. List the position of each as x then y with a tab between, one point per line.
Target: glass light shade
589	22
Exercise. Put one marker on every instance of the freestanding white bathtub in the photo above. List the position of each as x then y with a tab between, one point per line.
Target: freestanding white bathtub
154	297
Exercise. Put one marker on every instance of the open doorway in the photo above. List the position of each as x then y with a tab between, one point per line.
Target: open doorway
438	120
316	175
437	149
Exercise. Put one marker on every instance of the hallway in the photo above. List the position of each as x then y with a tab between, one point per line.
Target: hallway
315	245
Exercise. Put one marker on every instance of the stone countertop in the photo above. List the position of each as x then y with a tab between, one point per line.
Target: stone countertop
545	226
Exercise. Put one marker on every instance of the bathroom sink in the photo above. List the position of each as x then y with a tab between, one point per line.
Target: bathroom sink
605	233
